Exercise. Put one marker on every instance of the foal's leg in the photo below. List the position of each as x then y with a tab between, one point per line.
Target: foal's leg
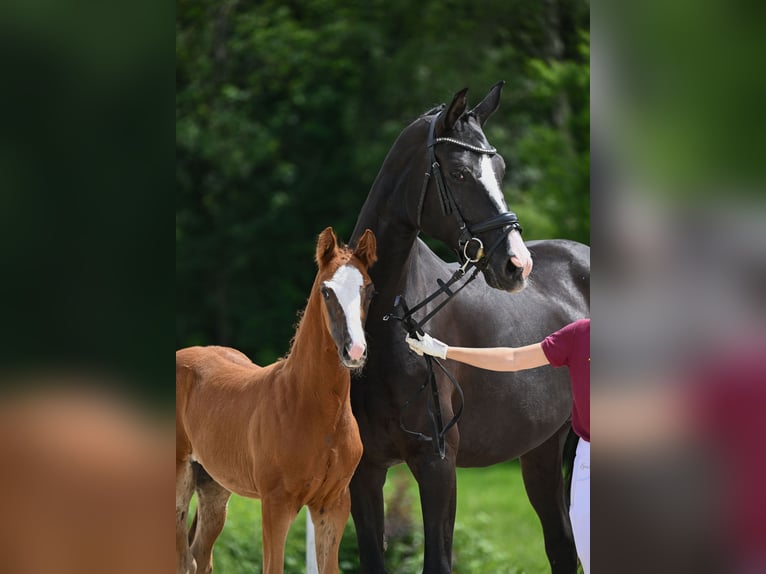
367	507
329	521
212	500
184	488
541	469
277	515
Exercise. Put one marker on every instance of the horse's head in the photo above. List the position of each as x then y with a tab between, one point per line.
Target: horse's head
461	202
346	291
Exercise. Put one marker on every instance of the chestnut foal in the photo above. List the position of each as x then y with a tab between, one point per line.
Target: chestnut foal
282	433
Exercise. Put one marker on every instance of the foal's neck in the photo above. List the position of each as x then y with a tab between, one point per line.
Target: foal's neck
314	355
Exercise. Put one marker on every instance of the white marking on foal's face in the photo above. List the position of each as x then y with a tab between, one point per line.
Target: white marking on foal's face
347	284
488	179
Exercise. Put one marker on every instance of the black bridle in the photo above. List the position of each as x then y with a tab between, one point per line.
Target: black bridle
478	260
506	221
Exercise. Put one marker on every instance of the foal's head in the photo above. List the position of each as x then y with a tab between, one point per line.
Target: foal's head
346	291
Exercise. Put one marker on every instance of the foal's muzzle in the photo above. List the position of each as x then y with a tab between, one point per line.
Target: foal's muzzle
353	355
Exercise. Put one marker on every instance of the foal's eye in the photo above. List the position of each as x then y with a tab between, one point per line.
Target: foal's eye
458	174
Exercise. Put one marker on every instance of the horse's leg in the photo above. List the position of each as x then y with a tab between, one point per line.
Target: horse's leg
329	521
543	479
437	485
184	488
367	509
277	515
212	499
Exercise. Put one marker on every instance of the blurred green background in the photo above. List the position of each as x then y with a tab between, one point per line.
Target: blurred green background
285	111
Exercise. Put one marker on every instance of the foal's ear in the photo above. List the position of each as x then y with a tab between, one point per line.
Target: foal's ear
455	109
327	244
365	249
490	103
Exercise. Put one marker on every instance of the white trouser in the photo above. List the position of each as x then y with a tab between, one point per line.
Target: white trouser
579	509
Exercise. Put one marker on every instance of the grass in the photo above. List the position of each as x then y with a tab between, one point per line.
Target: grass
496	530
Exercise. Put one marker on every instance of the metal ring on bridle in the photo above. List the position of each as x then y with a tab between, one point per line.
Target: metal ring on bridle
479	251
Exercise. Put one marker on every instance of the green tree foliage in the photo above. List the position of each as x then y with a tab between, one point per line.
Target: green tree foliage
285	111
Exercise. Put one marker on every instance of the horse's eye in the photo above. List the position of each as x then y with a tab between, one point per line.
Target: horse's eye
459	175
325	292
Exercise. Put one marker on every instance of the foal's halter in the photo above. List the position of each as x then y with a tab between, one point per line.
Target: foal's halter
479	260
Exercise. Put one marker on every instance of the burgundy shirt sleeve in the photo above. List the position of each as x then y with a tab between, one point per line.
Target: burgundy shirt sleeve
570	347
558	346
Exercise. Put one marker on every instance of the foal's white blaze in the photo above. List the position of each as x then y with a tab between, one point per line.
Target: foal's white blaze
521	257
346	283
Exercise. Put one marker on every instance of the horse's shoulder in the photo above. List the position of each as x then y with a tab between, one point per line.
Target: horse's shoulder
559	247
561	273
560	259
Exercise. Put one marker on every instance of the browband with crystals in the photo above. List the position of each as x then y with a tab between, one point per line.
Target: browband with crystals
477	149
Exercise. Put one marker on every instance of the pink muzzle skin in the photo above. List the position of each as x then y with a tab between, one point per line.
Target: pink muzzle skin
521	258
356	351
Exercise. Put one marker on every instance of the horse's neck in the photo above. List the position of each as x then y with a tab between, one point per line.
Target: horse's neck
313	358
394	234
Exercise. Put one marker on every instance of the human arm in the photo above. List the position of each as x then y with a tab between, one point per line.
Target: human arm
492	358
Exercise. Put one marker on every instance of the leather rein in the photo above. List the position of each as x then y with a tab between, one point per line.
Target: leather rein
472	255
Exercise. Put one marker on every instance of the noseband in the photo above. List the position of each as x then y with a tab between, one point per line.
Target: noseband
467	241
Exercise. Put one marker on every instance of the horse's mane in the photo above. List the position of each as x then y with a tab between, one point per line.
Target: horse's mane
437	109
432	111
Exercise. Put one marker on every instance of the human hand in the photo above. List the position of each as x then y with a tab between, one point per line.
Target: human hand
428	345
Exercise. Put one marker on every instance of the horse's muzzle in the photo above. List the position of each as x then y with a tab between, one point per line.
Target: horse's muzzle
502	274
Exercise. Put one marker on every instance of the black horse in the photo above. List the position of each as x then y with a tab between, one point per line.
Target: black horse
506	415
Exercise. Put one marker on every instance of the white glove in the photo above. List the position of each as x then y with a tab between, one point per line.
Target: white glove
428	345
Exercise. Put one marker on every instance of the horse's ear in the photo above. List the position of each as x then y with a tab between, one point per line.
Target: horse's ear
455	109
326	246
489	104
366	248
